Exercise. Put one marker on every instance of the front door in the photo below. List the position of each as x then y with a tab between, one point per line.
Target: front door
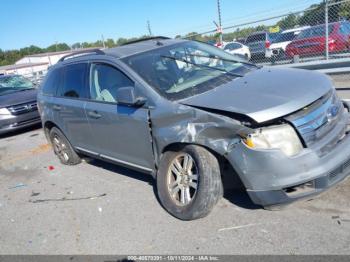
119	133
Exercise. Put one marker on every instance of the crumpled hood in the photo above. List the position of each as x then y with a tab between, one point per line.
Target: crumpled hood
265	94
18	98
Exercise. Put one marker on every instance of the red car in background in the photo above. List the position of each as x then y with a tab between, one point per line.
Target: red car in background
312	41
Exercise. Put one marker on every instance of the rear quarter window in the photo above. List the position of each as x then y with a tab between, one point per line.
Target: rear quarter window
52	82
256	38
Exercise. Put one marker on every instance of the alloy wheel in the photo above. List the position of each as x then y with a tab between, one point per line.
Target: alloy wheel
182	179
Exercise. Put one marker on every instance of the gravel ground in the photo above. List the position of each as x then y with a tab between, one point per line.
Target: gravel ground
99	208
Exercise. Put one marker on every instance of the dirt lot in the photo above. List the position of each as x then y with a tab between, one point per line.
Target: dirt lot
98	208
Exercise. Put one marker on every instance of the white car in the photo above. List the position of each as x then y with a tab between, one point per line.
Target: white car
279	45
237	49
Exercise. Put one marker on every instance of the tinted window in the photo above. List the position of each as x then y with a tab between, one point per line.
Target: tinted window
256	38
285	37
74	81
315	31
52	82
105	81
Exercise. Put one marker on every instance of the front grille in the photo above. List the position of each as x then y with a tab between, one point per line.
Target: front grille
23	108
318	119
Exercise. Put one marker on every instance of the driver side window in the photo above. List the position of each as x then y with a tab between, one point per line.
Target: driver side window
105	81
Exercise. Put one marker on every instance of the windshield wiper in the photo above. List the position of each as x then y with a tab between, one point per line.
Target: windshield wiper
202	66
225	59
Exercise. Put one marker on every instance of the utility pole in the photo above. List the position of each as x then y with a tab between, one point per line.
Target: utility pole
220	25
149	28
103	41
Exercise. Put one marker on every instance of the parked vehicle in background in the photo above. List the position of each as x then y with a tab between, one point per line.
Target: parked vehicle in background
259	42
278	47
282	133
18	106
312	41
236	48
220	45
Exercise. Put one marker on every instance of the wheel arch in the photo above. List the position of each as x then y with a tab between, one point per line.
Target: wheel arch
228	171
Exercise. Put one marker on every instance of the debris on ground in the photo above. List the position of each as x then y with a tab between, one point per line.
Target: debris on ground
66	199
51	168
100	209
19	185
339	219
34	194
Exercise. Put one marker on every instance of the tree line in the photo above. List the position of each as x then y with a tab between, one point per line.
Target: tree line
314	15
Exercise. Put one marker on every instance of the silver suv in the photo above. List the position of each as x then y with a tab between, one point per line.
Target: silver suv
186	113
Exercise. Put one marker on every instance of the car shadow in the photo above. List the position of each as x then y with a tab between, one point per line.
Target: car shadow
20	131
237	197
240	198
121	170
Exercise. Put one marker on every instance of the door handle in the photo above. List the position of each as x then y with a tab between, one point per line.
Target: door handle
56	107
94	114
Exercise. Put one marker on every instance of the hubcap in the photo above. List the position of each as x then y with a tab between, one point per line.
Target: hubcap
182	179
60	148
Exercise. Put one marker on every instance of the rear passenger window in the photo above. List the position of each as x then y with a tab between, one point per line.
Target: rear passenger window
105	81
73	84
52	82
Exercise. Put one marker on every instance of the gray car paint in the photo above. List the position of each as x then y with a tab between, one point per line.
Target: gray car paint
192	121
279	92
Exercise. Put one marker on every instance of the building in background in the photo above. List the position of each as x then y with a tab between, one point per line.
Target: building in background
35	66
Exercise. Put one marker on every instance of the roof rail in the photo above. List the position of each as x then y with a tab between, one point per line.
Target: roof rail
96	51
146	39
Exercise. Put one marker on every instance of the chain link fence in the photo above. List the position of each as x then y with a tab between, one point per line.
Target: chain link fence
320	32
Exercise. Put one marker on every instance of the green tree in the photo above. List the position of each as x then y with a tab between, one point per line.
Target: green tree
289	21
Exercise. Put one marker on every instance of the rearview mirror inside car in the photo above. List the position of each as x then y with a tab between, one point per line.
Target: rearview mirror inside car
126	96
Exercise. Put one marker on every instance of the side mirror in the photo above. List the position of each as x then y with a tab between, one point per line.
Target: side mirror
126	96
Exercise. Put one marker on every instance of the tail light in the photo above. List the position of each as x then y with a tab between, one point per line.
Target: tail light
331	43
267	44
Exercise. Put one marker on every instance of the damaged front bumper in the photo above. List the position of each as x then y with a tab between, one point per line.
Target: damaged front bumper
272	178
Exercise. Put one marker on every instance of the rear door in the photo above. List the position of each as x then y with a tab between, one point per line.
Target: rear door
68	105
119	133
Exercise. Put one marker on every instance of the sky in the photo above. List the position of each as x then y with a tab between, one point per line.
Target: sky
43	22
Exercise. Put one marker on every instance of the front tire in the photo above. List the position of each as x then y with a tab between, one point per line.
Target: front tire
63	148
189	182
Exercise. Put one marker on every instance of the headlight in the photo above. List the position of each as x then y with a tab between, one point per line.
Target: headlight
4	111
281	137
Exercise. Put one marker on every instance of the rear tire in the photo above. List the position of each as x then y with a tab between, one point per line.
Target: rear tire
63	148
201	182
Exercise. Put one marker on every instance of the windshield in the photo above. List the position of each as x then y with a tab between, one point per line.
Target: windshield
14	83
182	70
284	37
256	38
315	31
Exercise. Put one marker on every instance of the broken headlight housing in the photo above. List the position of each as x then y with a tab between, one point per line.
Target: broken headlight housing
282	137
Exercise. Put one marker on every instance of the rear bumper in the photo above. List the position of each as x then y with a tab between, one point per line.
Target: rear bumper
272	178
16	122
